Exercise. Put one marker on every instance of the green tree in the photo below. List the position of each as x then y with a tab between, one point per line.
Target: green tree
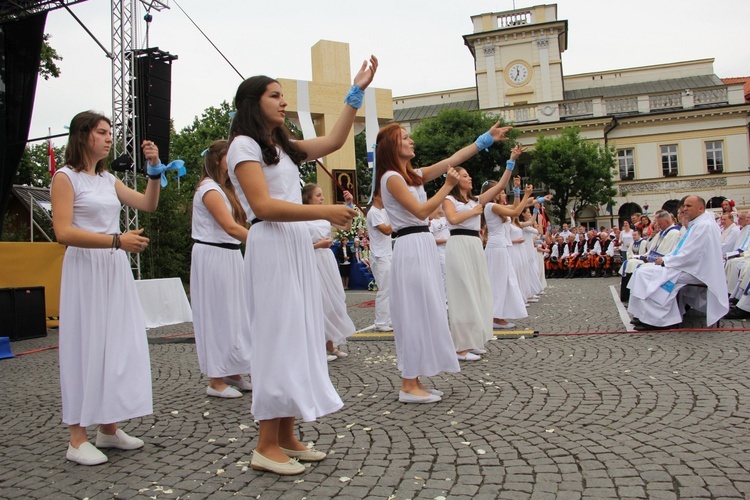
47	66
33	170
437	138
576	170
169	227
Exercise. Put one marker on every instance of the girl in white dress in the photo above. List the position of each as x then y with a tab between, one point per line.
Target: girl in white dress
466	276
507	299
105	373
420	324
288	365
338	324
217	285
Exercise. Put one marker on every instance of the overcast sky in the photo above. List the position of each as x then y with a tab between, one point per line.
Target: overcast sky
418	42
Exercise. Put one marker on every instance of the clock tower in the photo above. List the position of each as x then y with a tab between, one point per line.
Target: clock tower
517	56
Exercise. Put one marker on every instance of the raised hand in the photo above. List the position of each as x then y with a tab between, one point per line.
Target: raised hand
529	189
364	76
452	177
516	152
151	152
498	133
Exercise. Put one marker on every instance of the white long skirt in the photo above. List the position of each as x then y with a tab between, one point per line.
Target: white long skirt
338	324
105	372
469	293
288	359
507	300
532	267
220	321
520	265
420	322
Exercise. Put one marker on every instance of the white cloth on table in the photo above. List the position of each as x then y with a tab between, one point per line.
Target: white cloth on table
338	324
467	282
696	258
507	300
217	292
105	372
420	321
288	361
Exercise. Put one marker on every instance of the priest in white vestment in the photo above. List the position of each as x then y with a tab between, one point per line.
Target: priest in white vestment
697	259
735	260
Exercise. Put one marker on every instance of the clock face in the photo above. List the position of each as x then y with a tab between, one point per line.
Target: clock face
518	74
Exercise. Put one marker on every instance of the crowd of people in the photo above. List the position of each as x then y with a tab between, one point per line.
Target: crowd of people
460	266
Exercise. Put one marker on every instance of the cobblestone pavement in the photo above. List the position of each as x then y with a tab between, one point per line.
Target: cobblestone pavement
576	412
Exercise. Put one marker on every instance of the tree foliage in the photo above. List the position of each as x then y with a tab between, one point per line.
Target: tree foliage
169	227
576	170
438	138
47	65
33	170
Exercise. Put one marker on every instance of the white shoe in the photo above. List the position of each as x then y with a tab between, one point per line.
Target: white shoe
240	384
338	354
532	299
86	454
506	326
118	440
478	352
383	328
228	392
468	357
405	397
331	357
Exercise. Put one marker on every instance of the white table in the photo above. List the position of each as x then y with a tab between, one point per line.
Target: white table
164	302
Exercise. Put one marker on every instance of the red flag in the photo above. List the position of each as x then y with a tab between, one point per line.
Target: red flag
51	158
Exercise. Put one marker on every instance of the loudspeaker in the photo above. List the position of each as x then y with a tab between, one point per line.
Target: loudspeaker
153	94
22	313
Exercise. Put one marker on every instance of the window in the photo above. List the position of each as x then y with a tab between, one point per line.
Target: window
626	163
669	160
714	156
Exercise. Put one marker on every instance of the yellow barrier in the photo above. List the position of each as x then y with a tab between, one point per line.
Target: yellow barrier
34	264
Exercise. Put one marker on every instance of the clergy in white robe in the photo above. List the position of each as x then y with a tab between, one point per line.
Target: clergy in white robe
736	259
697	259
729	235
661	244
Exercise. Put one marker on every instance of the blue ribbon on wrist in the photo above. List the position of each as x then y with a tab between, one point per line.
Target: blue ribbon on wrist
510	165
540	199
355	97
161	169
484	141
516	191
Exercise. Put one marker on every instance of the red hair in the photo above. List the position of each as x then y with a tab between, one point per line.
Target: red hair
387	147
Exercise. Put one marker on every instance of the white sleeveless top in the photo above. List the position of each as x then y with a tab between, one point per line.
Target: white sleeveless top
473	223
205	227
282	178
497	228
96	207
399	216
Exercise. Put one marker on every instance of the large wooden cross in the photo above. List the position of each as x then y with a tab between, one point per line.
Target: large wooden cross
331	81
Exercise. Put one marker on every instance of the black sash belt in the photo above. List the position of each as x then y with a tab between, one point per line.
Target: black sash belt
464	232
256	220
228	246
411	230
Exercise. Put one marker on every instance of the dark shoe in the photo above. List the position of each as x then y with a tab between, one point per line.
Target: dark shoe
737	313
733	302
636	321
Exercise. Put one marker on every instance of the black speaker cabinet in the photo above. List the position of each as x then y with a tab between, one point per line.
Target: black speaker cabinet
22	313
